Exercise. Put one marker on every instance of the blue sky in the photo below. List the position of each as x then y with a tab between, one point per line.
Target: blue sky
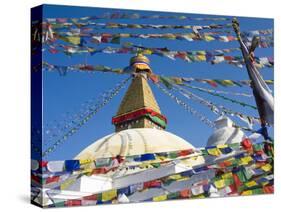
66	93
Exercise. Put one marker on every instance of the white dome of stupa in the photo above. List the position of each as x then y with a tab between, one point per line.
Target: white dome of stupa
130	142
225	133
134	141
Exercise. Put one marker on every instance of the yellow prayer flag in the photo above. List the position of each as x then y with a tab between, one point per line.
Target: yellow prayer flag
161	158
227	175
183	178
72	39
85	161
251	184
177	80
160	198
201	52
246	160
109	195
227	82
175	177
208	38
220	183
248	192
266	167
214	151
201	57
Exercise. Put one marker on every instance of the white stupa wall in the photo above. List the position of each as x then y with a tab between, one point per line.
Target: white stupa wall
94	184
225	133
144	176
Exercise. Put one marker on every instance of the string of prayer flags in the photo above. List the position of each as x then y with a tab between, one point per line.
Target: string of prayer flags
224	92
76	123
214	57
82	36
85	117
224	97
69	120
170	81
257	32
218	109
69	166
224	83
76	37
62	70
238	174
130	48
189	109
120	15
85	26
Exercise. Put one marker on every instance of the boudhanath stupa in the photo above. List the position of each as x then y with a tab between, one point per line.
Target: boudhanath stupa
139	130
141	161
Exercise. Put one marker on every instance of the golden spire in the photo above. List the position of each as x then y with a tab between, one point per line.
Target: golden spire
139	108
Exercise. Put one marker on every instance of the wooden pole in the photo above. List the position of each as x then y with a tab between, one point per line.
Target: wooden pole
249	58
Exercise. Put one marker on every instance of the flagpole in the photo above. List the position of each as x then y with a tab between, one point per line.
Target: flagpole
248	55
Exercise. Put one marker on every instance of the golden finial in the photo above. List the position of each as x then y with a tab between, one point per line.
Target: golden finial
140	63
139	58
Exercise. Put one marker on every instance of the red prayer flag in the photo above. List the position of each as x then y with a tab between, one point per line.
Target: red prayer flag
91	197
268	189
185	152
212	83
43	163
73	202
247	144
185	193
233	189
237	181
52	179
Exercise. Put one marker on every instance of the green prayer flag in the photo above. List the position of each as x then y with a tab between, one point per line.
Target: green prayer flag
241	176
174	195
173	155
258	191
166	81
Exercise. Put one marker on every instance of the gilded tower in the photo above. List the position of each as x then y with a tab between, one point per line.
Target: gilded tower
139	108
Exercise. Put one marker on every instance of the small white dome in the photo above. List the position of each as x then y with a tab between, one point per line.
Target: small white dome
225	133
223	121
134	142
